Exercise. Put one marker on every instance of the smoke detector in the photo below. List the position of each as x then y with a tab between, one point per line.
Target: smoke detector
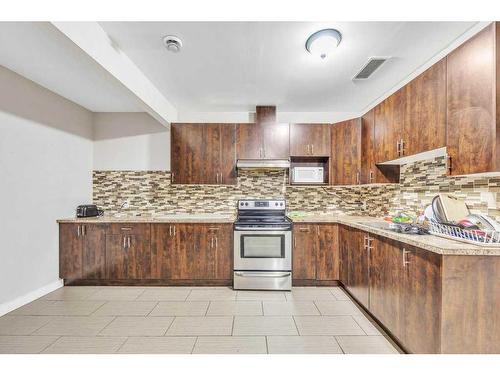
172	43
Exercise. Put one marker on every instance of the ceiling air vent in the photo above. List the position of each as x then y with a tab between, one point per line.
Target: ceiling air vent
369	68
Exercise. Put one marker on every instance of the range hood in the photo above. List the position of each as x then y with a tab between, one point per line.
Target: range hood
263	163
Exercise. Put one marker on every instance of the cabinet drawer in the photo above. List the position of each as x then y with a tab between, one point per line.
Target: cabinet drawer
129	228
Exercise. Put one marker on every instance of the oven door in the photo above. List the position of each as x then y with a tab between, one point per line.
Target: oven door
263	250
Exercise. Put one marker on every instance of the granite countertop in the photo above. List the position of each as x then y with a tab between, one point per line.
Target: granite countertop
174	218
432	243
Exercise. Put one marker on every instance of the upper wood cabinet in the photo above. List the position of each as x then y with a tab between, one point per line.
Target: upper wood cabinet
472	104
203	154
310	140
263	141
389	117
424	126
346	153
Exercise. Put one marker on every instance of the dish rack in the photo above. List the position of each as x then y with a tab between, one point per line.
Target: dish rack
481	237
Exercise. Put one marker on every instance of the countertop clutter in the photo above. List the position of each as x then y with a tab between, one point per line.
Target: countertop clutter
428	242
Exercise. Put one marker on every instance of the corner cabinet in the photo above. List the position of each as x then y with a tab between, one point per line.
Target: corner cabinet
203	154
315	259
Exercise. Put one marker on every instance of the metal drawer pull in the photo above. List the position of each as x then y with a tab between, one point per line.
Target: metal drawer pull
262	274
304	229
126	228
405	257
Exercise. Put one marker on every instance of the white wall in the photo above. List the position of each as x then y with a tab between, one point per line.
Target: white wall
130	141
45	172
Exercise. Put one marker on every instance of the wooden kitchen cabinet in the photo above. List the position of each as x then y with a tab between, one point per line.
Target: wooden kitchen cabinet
304	252
424	126
310	140
358	266
203	154
128	254
186	251
346	151
389	117
263	141
354	263
421	300
82	251
315	252
386	284
472	98
249	141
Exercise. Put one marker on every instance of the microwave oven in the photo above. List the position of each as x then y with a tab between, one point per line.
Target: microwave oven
307	175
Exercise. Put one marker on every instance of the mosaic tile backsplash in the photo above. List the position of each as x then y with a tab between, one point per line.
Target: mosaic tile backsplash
151	193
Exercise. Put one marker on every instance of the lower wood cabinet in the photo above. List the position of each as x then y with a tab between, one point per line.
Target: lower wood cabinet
82	251
141	251
315	254
357	265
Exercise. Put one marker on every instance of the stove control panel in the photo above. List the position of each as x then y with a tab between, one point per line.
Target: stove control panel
261	204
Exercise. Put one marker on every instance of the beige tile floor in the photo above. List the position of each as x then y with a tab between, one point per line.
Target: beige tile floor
183	320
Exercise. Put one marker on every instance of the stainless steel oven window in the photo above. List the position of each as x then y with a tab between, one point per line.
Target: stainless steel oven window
262	246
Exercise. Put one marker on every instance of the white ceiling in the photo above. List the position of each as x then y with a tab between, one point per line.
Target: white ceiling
233	66
229	66
41	53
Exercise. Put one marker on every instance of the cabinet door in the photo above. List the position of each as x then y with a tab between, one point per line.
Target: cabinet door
186	157
128	257
210	154
344	234
221	242
249	141
389	117
94	251
346	151
70	251
163	246
310	140
276	139
194	256
422	301
304	252
327	257
425	115
358	263
387	285
227	168
471	116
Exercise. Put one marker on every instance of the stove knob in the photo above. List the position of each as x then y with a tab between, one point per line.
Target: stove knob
246	203
281	204
241	203
276	204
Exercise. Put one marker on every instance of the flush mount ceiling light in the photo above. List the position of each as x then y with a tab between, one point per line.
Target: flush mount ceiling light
323	42
172	43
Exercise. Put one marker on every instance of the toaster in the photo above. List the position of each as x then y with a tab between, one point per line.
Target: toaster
88	210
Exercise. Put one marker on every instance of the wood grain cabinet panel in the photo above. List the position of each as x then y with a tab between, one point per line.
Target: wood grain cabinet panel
346	153
70	251
203	154
304	252
220	237
128	256
249	141
358	267
310	140
422	300
424	127
94	251
472	136
327	255
389	117
163	246
344	235
276	141
387	285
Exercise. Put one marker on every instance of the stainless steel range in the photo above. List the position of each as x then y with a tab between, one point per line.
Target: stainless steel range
262	245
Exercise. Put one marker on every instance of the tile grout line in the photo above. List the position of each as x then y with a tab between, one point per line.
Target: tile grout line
154	307
267	345
48	346
317	308
194	344
122	345
296	327
232	327
103	328
338	343
170	325
208	308
43	325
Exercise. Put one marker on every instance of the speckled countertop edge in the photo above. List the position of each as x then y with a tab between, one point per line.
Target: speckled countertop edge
432	243
181	218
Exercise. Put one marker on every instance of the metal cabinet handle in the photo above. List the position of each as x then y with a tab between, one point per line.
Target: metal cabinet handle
84	230
312	149
371	175
405	257
216	243
126	228
170	230
128	242
262	274
78	231
398	148
174	230
448	163
402	147
357	178
124	241
172	177
304	229
213	228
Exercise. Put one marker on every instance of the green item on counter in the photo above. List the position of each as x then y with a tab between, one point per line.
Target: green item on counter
296	214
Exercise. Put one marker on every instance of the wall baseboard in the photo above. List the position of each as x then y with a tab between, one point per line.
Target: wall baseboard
29	297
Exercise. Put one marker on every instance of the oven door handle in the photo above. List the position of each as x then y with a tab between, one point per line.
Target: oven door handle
262	274
237	227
